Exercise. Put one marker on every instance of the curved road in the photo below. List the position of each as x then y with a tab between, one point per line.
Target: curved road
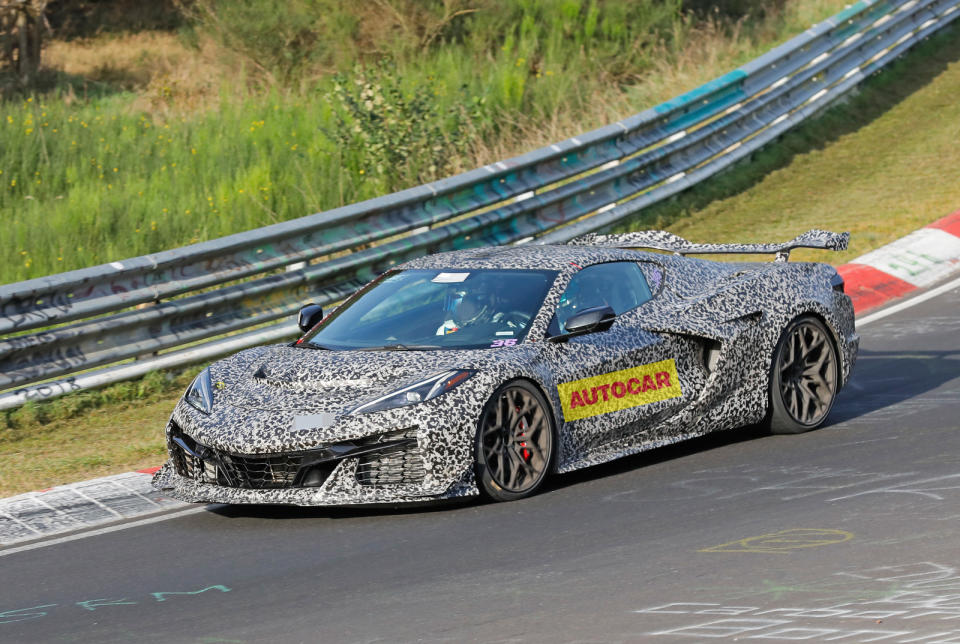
848	534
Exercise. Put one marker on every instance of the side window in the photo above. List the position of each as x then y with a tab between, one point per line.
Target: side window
619	285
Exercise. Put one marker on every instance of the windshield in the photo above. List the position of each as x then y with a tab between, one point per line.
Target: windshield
434	309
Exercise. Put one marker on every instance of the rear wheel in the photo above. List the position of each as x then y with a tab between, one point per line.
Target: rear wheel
514	446
804	377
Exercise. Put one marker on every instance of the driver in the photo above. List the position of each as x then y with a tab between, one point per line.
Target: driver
478	306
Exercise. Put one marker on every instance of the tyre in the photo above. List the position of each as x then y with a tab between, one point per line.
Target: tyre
515	442
804	377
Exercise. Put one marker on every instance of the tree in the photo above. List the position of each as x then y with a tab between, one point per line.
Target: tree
22	27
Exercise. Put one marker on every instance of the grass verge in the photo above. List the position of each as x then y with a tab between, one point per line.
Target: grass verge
112	439
118	428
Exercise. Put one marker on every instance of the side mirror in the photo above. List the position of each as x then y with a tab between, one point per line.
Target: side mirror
598	318
309	316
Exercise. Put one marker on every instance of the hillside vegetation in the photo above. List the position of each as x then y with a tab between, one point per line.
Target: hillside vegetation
234	115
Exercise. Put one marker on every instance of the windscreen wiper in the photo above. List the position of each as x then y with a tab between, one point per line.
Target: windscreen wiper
402	347
311	345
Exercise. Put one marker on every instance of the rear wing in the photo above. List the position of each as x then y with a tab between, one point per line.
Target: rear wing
662	240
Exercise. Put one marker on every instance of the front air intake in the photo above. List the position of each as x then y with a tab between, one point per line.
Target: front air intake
399	465
255	472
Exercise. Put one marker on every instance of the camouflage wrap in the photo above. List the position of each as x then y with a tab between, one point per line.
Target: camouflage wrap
741	308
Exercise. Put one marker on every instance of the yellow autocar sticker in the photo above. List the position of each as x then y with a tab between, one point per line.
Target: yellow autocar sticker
619	390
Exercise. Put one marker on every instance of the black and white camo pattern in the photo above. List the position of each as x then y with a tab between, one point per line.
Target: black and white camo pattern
667	241
742	306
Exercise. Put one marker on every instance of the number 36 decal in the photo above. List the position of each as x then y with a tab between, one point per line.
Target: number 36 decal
508	342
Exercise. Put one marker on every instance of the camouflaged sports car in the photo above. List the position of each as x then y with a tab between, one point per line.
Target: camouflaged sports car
485	370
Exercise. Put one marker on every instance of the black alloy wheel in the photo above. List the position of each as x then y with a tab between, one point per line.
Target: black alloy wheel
514	446
804	377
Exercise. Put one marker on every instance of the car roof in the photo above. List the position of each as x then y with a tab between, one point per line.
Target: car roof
543	257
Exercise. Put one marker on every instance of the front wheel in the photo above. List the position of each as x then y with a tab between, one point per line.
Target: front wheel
514	445
804	377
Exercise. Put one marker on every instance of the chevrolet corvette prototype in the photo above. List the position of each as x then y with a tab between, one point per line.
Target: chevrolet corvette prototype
483	371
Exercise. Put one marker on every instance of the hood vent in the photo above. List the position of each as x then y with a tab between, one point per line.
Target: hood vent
268	376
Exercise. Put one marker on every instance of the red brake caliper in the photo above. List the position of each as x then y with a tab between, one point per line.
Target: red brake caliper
524	452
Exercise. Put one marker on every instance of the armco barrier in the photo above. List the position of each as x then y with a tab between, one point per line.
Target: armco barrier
81	320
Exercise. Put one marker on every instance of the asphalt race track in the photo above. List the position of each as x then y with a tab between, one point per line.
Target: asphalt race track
847	534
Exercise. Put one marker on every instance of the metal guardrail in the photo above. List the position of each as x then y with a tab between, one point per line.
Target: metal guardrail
552	194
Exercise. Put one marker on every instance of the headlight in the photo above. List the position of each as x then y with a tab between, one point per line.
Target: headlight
418	392
200	392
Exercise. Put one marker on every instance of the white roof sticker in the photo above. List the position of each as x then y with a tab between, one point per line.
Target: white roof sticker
450	278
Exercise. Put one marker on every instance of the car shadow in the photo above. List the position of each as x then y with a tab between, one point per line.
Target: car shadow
658	455
885	378
289	512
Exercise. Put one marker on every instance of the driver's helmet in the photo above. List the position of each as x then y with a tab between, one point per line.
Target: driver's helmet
474	303
466	304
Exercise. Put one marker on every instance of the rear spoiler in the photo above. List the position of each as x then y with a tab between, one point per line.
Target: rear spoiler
662	240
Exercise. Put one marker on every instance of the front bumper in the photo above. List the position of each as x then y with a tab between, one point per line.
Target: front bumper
390	468
341	492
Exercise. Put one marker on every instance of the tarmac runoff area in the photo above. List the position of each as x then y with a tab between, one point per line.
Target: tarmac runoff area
918	261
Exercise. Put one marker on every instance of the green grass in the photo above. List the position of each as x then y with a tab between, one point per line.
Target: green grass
96	183
91	433
120	173
880	165
107	440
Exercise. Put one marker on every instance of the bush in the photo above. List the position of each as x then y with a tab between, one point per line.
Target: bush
396	134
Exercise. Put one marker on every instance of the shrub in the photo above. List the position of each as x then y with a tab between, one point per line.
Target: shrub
394	133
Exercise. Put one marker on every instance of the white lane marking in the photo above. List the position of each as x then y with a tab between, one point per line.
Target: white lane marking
95	533
97	503
116	482
949	286
18	521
